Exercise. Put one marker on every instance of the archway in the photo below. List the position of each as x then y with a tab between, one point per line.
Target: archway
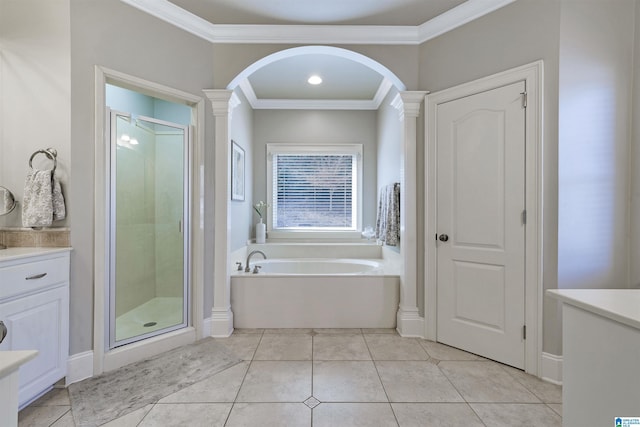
322	50
407	105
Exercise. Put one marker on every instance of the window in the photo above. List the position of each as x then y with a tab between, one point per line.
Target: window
314	188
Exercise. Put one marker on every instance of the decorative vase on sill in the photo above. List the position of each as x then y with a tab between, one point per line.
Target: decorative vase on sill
261	232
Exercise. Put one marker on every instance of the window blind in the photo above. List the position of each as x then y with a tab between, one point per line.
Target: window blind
313	190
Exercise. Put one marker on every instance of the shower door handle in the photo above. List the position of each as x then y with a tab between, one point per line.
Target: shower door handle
180	226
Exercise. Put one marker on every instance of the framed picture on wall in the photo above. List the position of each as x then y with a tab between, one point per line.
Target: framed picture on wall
237	172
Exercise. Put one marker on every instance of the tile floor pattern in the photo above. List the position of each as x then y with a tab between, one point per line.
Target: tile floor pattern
340	378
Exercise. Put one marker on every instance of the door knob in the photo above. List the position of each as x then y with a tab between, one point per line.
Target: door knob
443	238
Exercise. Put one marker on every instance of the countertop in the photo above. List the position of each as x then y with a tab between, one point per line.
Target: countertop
10	254
620	305
11	360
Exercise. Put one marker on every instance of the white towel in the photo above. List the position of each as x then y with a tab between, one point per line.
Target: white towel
43	201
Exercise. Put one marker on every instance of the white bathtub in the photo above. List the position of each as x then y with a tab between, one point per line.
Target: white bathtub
317	266
315	293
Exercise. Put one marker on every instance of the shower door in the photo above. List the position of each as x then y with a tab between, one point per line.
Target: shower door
148	239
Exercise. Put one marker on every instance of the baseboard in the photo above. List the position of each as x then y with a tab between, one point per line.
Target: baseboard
207	326
221	322
149	347
551	368
79	367
410	324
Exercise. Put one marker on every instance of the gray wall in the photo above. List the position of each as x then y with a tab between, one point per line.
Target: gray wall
35	94
587	47
596	78
389	135
634	253
317	127
114	35
518	34
241	212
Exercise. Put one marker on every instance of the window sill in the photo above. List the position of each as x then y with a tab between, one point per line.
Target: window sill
314	235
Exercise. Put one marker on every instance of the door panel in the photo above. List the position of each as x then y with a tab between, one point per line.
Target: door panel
480	190
483	309
478	150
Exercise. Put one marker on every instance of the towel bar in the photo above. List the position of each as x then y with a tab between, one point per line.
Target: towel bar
51	153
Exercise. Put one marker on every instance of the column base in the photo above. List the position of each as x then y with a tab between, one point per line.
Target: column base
221	322
409	323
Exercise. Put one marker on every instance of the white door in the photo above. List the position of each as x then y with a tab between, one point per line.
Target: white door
480	223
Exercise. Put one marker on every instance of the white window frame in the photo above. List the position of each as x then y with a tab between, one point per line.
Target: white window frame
349	149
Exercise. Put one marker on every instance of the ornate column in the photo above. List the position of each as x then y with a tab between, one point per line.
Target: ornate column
223	101
409	322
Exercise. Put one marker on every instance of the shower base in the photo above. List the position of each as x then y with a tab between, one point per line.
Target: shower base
155	314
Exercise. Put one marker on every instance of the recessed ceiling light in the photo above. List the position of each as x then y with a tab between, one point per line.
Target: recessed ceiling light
314	80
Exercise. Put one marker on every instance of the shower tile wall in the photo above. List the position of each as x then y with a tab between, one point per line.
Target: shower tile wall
168	211
135	234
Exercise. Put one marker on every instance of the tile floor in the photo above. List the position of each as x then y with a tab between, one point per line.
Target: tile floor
343	377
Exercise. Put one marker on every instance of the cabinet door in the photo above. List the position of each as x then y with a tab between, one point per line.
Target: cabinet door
38	322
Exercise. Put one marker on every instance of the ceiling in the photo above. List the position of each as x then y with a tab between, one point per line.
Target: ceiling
334	12
348	81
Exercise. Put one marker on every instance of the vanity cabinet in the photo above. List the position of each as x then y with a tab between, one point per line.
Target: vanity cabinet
601	353
34	306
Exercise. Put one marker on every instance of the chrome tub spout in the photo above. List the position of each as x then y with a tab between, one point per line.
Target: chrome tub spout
247	269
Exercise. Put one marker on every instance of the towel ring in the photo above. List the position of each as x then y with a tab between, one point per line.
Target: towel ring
51	153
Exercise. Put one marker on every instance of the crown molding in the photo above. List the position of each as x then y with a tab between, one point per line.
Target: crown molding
381	93
458	16
315	34
318	34
315	104
247	89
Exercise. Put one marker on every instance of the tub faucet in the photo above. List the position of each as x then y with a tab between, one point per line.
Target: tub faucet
246	268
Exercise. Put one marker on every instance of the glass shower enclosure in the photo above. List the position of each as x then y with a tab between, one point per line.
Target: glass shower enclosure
148	228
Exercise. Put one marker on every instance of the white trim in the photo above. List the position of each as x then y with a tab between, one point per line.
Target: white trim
102	76
318	34
150	347
532	75
100	229
468	11
382	92
247	88
207	327
79	367
350	149
551	370
408	106
410	324
313	104
318	50
315	34
221	314
221	322
316	104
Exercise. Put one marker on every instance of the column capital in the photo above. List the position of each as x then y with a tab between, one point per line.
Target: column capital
408	102
220	100
411	101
